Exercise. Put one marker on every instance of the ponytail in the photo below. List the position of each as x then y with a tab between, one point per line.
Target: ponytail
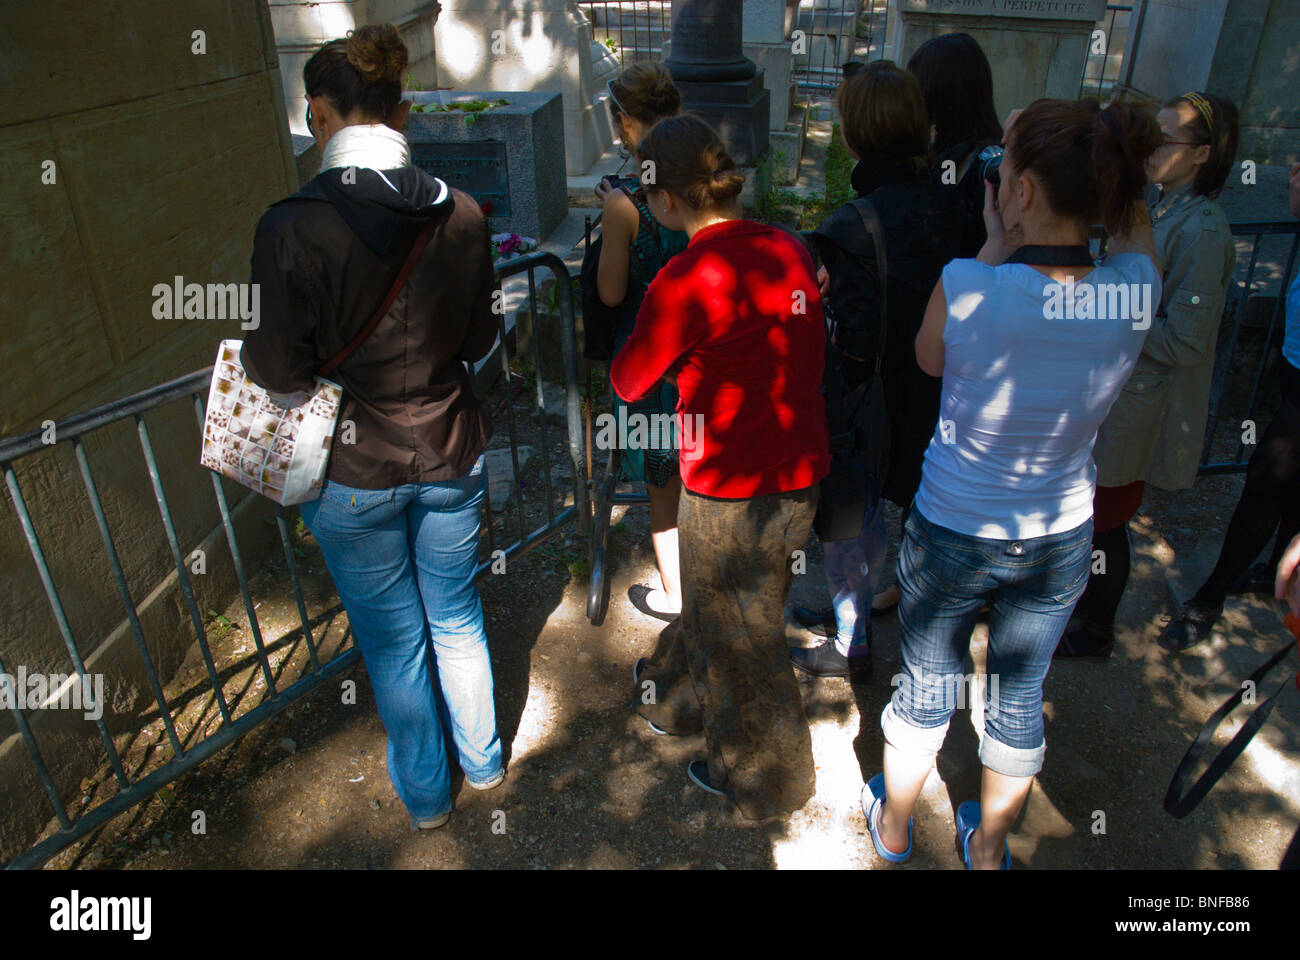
1091	162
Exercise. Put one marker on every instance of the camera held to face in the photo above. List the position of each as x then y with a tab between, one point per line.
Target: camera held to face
990	161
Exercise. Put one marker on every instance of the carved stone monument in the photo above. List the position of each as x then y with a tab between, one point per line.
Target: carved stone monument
716	79
1036	48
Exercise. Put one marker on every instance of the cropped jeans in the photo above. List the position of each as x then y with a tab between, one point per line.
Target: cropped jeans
944	578
403	561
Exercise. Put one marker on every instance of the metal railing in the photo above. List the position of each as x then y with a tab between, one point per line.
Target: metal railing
829	33
1226	421
604	498
634	29
194	388
1113	65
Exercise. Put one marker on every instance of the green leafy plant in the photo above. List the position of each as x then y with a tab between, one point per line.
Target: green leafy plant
219	627
470	108
778	202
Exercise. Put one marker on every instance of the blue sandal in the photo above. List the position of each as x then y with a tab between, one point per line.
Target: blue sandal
968	820
873	802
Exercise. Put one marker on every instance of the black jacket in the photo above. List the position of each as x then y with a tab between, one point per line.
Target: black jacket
922	226
325	258
970	189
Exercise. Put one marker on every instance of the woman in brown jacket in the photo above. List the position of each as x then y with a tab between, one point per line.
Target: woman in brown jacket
398	516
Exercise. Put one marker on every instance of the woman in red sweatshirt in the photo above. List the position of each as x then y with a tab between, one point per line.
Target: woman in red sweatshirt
736	321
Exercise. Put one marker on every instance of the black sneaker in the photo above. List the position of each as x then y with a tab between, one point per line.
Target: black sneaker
698	771
818	621
1193	627
1085	643
825	660
637	669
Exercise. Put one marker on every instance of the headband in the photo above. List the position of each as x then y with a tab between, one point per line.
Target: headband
609	85
1202	107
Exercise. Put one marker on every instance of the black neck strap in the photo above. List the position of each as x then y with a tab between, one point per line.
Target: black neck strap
1043	255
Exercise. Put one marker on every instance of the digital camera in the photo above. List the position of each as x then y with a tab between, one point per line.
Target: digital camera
990	161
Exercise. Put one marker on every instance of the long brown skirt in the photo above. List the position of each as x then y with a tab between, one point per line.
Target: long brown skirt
724	665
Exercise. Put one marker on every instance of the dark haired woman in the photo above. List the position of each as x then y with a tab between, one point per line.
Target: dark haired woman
884	124
737	322
634	247
1155	430
398	517
1004	511
957	85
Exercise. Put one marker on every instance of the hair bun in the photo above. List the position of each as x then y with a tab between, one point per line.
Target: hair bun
378	53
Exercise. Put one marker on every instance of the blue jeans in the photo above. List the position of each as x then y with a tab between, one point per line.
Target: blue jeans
944	578
403	561
853	569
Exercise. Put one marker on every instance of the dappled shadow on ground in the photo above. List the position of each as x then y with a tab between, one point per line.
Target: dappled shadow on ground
590	785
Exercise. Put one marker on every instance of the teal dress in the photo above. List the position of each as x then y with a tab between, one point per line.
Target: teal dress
652	247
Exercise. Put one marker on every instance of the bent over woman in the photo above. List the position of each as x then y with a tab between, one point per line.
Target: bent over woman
398	516
736	321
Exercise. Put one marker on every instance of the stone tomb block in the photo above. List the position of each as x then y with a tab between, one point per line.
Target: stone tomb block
510	157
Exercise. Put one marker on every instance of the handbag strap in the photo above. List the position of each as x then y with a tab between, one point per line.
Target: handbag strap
421	240
871	220
1179	803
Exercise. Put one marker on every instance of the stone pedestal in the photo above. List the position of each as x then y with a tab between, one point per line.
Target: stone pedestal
504	159
716	79
1036	48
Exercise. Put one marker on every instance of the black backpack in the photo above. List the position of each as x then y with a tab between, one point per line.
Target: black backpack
598	320
858	421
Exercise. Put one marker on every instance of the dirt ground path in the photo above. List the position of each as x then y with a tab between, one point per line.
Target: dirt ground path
590	785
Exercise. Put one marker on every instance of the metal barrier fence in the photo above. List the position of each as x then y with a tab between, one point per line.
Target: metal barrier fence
605	498
1100	74
1262	281
829	34
194	388
635	29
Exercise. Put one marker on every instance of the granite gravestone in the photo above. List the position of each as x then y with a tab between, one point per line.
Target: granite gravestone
509	157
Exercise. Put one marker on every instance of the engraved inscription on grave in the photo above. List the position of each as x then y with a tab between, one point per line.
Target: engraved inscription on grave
1045	9
478	167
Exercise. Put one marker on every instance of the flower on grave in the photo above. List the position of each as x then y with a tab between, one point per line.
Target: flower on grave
486	207
507	245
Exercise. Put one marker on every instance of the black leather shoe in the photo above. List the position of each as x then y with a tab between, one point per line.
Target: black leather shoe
1193	627
638	593
819	621
824	660
1086	643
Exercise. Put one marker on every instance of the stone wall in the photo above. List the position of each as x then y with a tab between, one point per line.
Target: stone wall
1255	67
301	26
1244	50
163	159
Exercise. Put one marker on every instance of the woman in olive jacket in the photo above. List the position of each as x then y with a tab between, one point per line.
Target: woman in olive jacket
1155	430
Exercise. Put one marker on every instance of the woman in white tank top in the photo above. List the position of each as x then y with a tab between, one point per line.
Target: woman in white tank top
1033	342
